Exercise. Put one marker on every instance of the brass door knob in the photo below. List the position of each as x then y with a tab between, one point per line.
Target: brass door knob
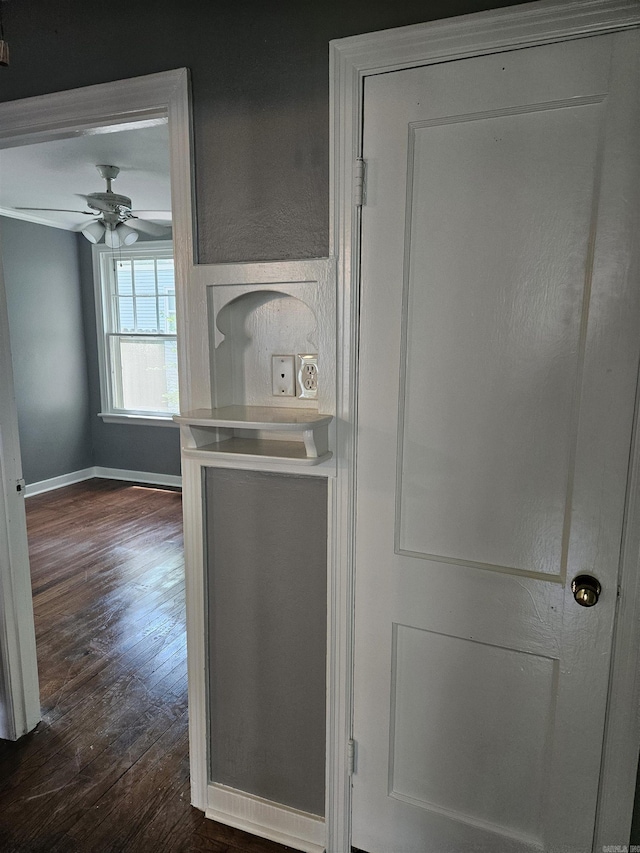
586	590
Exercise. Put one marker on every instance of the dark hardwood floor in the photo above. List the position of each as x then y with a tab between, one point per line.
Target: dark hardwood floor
107	769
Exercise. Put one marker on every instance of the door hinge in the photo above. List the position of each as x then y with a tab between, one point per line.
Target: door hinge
360	182
351	757
20	485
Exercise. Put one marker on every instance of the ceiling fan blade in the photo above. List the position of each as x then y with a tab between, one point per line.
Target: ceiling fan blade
150	228
57	210
160	215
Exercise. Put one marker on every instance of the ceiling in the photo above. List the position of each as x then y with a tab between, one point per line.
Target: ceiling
53	174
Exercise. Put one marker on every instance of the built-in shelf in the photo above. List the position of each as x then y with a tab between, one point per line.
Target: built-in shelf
256	417
299	435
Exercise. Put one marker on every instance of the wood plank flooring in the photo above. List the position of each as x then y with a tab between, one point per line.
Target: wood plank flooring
107	769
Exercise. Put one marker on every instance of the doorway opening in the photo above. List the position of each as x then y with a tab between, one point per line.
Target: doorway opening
90	111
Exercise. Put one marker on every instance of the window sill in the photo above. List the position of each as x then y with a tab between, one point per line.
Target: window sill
140	420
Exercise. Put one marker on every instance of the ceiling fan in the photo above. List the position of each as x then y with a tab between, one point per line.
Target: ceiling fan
113	217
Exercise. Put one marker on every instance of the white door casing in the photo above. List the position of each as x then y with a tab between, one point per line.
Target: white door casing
354	61
19	690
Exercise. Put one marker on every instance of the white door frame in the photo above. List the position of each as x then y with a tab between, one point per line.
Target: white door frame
41	119
352	60
19	688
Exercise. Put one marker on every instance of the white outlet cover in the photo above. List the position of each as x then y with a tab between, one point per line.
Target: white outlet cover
283	379
308	376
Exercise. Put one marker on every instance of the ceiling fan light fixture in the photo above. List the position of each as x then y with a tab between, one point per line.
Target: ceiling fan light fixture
111	213
94	232
126	235
112	238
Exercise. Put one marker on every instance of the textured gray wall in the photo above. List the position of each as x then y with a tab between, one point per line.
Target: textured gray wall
47	344
51	304
260	78
153	449
267	566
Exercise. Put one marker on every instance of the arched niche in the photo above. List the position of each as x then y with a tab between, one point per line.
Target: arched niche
249	330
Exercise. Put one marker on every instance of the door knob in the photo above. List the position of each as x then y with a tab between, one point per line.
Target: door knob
586	590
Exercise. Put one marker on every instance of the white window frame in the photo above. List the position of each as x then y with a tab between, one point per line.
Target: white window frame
103	256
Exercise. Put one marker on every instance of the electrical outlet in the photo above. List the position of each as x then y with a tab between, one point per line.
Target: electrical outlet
283	380
308	376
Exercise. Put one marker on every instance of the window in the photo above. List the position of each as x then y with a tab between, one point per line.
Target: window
136	308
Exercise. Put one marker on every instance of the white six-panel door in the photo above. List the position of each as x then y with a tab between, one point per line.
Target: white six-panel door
498	364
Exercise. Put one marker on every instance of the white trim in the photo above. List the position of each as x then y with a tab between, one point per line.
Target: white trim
351	61
19	690
622	731
479	33
159	248
126	476
138	420
278	823
241	462
87	110
52	483
147	477
33	218
195	593
263	272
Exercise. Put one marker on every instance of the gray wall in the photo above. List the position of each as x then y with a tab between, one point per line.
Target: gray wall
153	449
51	305
267	567
260	79
47	345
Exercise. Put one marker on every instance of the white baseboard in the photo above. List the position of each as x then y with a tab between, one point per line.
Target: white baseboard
138	477
58	482
105	474
278	823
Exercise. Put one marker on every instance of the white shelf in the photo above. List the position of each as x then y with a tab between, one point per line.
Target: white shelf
208	432
255	417
258	449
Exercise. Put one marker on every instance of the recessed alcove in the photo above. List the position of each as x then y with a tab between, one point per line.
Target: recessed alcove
247	324
249	330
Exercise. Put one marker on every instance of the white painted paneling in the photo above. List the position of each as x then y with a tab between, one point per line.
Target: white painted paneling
463	693
279	823
492	332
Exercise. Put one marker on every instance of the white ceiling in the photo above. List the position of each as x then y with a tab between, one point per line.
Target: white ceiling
52	174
